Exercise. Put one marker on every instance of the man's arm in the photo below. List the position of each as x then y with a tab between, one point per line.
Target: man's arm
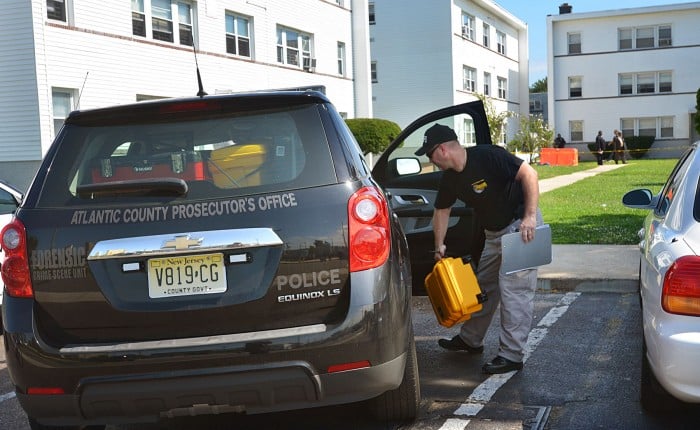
527	176
441	218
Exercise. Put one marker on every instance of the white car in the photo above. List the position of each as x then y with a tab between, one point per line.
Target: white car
10	198
669	275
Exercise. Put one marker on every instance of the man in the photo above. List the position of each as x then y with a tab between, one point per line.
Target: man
600	147
559	141
504	193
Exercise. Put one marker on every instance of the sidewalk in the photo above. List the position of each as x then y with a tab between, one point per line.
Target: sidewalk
610	268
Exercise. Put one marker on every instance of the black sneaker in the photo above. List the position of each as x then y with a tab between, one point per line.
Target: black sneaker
457	344
501	365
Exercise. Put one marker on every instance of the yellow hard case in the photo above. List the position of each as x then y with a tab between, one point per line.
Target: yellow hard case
454	291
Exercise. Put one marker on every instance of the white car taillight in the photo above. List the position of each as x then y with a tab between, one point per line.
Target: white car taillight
15	267
369	231
681	290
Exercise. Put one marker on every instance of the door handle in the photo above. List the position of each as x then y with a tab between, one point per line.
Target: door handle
411	199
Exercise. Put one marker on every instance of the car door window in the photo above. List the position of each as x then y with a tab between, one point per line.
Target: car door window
668	192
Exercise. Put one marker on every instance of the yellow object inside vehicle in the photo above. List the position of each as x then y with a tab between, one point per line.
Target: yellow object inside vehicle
237	165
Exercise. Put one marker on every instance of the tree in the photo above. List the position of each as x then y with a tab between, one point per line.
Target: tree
539	86
534	134
497	120
373	134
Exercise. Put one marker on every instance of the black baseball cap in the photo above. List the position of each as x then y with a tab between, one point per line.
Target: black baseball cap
434	135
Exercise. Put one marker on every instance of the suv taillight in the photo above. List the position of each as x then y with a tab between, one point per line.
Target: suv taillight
681	291
369	229
15	267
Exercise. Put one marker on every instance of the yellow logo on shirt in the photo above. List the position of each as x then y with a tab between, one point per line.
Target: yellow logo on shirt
479	186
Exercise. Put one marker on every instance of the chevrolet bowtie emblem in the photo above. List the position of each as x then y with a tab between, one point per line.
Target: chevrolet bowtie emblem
182	242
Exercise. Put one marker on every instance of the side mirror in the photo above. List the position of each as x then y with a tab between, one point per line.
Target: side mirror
404	166
639	199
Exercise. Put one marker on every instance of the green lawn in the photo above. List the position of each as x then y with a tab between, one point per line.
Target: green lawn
590	211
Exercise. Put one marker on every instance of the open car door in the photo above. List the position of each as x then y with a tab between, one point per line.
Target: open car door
411	183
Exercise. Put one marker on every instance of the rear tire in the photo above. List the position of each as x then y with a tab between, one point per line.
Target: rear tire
403	403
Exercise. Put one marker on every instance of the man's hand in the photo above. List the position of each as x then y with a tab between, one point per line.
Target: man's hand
440	252
527	228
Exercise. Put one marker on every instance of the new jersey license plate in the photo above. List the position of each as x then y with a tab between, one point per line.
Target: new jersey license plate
186	275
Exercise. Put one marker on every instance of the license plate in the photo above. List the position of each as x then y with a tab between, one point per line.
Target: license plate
186	275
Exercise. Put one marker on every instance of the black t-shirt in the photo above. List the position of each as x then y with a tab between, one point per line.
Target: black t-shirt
486	184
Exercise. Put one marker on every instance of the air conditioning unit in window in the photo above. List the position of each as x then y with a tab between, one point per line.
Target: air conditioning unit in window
465	30
309	64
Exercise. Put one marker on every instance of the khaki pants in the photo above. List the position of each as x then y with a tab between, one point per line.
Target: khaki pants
515	293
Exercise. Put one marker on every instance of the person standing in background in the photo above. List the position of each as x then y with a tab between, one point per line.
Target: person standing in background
618	147
559	141
600	147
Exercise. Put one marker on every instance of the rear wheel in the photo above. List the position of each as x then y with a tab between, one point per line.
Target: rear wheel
401	404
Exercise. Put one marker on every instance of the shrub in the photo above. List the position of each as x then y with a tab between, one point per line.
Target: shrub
372	134
637	146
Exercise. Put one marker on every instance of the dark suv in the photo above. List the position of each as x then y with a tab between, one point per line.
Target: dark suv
207	255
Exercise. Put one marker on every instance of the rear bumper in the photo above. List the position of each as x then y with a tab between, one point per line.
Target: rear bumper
280	386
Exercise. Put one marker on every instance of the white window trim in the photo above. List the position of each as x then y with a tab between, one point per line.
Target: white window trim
72	95
68	11
236	36
468	24
635	77
501	39
305	56
502	85
174	20
657	40
469	79
659	122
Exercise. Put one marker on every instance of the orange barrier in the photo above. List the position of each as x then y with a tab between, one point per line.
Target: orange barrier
559	156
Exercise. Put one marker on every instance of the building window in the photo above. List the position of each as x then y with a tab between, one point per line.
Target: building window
575	86
62	100
487	84
645	37
293	48
665	36
627	127
657	127
665	85
340	3
469	79
138	18
487	35
645	83
238	35
501	42
576	131
626	84
502	86
468	26
535	105
574	42
341	58
666	126
373	72
370	8
647	127
624	36
56	9
165	16
469	137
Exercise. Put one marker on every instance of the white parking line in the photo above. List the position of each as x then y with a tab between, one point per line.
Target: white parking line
483	393
7	396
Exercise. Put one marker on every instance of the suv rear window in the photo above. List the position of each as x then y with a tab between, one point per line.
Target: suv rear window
216	154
